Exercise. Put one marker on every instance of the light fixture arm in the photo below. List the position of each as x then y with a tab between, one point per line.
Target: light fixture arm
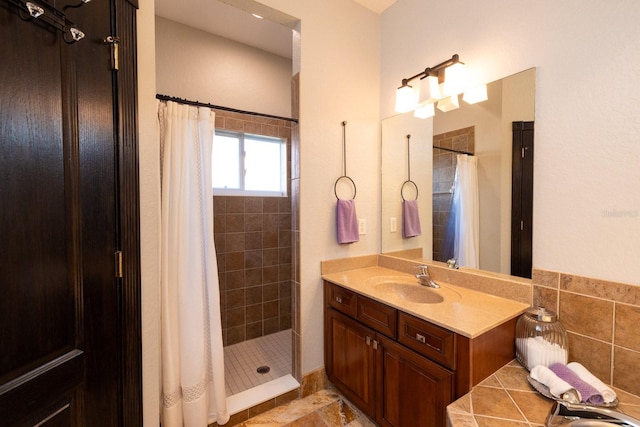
433	71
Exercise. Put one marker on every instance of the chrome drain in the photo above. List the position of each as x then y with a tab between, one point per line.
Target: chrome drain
263	369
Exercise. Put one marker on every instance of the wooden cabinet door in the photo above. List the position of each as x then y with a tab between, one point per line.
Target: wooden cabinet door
412	390
350	359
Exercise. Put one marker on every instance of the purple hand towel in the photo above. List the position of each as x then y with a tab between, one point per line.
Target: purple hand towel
410	219
586	391
347	221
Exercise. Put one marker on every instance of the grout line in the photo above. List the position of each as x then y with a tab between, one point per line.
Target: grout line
242	360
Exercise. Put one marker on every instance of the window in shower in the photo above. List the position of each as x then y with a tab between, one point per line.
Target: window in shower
249	165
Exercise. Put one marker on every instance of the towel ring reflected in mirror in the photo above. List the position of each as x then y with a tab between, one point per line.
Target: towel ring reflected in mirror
335	186
403	186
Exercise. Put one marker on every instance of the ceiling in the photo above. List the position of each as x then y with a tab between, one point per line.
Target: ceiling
378	6
272	34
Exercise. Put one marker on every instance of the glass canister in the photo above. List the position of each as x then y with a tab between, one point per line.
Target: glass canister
540	339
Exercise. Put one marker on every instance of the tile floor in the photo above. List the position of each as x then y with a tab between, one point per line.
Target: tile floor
324	408
243	359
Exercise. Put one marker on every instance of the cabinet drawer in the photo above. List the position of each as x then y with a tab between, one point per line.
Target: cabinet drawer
378	316
341	299
428	339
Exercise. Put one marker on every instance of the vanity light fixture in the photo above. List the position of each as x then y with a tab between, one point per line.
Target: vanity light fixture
425	110
455	79
429	89
475	94
449	103
406	97
439	84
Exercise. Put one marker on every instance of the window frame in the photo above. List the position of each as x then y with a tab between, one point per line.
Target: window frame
242	191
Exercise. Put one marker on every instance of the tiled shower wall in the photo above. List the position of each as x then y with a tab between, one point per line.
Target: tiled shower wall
601	319
444	169
253	241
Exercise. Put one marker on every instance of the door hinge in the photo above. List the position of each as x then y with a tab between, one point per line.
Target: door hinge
523	152
521	225
375	344
118	259
115	58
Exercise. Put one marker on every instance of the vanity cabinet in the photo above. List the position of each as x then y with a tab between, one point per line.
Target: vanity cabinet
399	369
350	359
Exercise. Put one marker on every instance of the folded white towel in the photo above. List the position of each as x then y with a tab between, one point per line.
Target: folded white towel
557	386
607	393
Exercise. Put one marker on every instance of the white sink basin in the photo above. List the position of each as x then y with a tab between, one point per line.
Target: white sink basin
402	288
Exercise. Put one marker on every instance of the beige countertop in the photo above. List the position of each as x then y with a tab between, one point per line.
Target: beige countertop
506	399
464	311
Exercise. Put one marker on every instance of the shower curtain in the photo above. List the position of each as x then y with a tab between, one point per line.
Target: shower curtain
466	208
192	353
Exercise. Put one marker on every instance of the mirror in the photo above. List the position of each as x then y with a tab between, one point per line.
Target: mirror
490	125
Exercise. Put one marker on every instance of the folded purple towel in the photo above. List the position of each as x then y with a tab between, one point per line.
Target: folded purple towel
410	219
347	221
588	393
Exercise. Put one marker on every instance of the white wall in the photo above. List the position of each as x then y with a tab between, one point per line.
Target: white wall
586	218
339	80
200	66
149	215
394	172
339	56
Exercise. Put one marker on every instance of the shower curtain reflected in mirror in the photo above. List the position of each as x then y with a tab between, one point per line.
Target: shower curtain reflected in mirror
461	240
465	212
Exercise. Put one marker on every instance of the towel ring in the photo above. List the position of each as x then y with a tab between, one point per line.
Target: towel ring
335	186
402	189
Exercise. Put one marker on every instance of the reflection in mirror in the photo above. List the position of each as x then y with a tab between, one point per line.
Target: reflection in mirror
489	123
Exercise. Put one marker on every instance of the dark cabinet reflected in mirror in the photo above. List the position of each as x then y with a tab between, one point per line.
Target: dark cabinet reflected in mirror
485	130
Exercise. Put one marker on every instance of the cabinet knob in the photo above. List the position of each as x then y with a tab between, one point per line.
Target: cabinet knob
421	338
339	299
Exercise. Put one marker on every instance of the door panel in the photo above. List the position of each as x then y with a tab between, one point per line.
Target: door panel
97	190
522	199
59	311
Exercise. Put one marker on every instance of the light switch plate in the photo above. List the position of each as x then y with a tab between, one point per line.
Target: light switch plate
362	226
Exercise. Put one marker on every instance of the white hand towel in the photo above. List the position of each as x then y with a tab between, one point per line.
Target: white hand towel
607	393
557	386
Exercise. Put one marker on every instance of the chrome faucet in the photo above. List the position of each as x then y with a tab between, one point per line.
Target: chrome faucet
424	278
452	263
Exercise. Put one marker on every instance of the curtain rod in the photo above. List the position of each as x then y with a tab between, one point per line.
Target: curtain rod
453	151
218	107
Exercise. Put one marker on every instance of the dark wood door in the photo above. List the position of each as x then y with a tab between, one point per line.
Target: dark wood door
61	304
350	359
412	390
522	199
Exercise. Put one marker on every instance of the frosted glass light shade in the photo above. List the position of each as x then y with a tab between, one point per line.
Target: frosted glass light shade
429	90
476	94
455	79
424	111
406	98
448	104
